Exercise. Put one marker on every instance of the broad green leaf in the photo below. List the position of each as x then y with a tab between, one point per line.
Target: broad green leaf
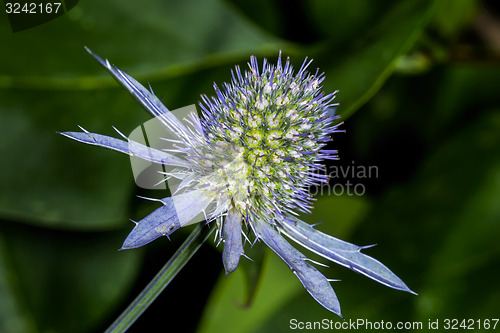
14	317
337	215
441	227
453	16
475	85
48	83
226	311
359	68
356	43
468	253
61	282
342	21
160	39
51	180
468	250
252	270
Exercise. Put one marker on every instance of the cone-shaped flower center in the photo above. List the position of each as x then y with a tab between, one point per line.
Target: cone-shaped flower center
272	126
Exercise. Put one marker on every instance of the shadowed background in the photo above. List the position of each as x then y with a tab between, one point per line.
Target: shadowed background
418	85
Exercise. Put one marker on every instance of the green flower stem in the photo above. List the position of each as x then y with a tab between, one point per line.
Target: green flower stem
180	258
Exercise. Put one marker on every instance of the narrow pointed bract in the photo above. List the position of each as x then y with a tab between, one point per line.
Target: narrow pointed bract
315	283
248	163
340	252
177	211
130	148
149	101
233	243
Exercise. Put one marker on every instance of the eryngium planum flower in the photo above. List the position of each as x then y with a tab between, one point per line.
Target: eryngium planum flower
247	164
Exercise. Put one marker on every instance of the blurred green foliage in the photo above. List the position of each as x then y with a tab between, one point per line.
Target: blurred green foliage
418	85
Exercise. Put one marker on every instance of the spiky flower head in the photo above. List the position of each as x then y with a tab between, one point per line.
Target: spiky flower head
248	162
264	136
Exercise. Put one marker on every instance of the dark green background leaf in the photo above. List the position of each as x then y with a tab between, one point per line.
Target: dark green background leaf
61	281
418	89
